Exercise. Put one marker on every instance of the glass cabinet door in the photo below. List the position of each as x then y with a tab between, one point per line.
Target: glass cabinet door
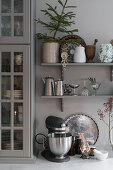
14	98
14	21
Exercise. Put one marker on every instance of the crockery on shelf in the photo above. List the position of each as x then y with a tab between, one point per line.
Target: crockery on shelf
90	51
48	86
74	86
73	42
106	53
79	55
58	88
85	90
94	85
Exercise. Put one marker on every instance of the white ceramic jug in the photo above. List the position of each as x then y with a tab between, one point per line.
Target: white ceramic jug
79	56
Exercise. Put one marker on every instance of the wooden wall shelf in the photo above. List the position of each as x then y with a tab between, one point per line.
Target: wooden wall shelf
78	64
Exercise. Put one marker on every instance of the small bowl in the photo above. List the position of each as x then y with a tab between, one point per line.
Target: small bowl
100	155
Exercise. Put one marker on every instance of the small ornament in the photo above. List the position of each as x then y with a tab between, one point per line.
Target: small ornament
64	56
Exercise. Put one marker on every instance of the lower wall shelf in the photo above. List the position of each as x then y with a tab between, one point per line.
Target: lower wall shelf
73	97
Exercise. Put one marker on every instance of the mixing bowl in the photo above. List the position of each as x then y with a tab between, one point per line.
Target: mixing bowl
60	144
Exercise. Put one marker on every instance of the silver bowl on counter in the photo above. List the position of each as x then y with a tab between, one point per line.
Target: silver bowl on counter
60	144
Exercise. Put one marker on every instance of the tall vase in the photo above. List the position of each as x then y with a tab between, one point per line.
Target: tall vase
109	145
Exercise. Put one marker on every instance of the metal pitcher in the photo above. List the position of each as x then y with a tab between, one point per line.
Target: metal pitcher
48	86
59	88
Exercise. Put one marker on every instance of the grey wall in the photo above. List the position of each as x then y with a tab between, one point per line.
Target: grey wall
94	20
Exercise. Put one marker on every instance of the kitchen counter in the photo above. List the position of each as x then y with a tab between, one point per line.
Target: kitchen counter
74	164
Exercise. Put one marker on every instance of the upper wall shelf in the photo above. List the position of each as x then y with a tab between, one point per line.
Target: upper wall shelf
72	97
78	64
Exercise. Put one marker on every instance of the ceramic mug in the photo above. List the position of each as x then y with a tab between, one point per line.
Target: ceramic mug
106	53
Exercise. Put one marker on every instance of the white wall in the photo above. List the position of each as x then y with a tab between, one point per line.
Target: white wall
94	20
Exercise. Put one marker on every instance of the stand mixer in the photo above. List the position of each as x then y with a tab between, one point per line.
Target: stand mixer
58	141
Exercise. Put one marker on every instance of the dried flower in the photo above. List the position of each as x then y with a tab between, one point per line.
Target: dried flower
108	110
101	114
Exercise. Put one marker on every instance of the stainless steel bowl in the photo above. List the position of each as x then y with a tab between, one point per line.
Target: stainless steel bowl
60	145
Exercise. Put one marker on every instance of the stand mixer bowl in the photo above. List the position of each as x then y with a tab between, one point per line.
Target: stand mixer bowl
60	145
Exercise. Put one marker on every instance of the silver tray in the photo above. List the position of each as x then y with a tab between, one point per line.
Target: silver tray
83	124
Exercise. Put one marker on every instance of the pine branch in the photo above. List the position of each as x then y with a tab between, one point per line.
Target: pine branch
50	8
43	37
66	31
66	23
58	22
49	26
70	7
75	42
69	15
60	2
50	15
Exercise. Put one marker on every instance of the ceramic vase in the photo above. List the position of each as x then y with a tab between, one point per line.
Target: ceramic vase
50	52
106	53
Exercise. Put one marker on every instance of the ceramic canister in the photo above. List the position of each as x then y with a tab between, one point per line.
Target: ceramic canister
50	52
106	53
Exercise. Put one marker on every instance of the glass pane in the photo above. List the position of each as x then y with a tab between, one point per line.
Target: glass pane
18	87
6	62
5	114
6	140
18	62
6	26
18	6
18	114
6	87
6	6
18	26
18	140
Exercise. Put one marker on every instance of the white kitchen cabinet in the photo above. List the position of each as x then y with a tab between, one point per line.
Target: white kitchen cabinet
17	77
15	21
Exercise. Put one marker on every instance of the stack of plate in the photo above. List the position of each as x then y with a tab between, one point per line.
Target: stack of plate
18	146
6	146
18	94
7	94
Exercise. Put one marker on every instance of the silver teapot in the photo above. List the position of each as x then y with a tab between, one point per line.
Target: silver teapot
48	86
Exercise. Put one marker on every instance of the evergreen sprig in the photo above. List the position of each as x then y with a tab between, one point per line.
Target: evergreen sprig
57	22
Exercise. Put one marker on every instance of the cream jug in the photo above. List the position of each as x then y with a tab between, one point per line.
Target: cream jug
59	88
79	56
48	86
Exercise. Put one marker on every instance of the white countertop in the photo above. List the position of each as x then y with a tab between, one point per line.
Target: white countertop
73	164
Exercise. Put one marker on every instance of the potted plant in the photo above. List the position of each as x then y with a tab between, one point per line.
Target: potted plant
58	22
